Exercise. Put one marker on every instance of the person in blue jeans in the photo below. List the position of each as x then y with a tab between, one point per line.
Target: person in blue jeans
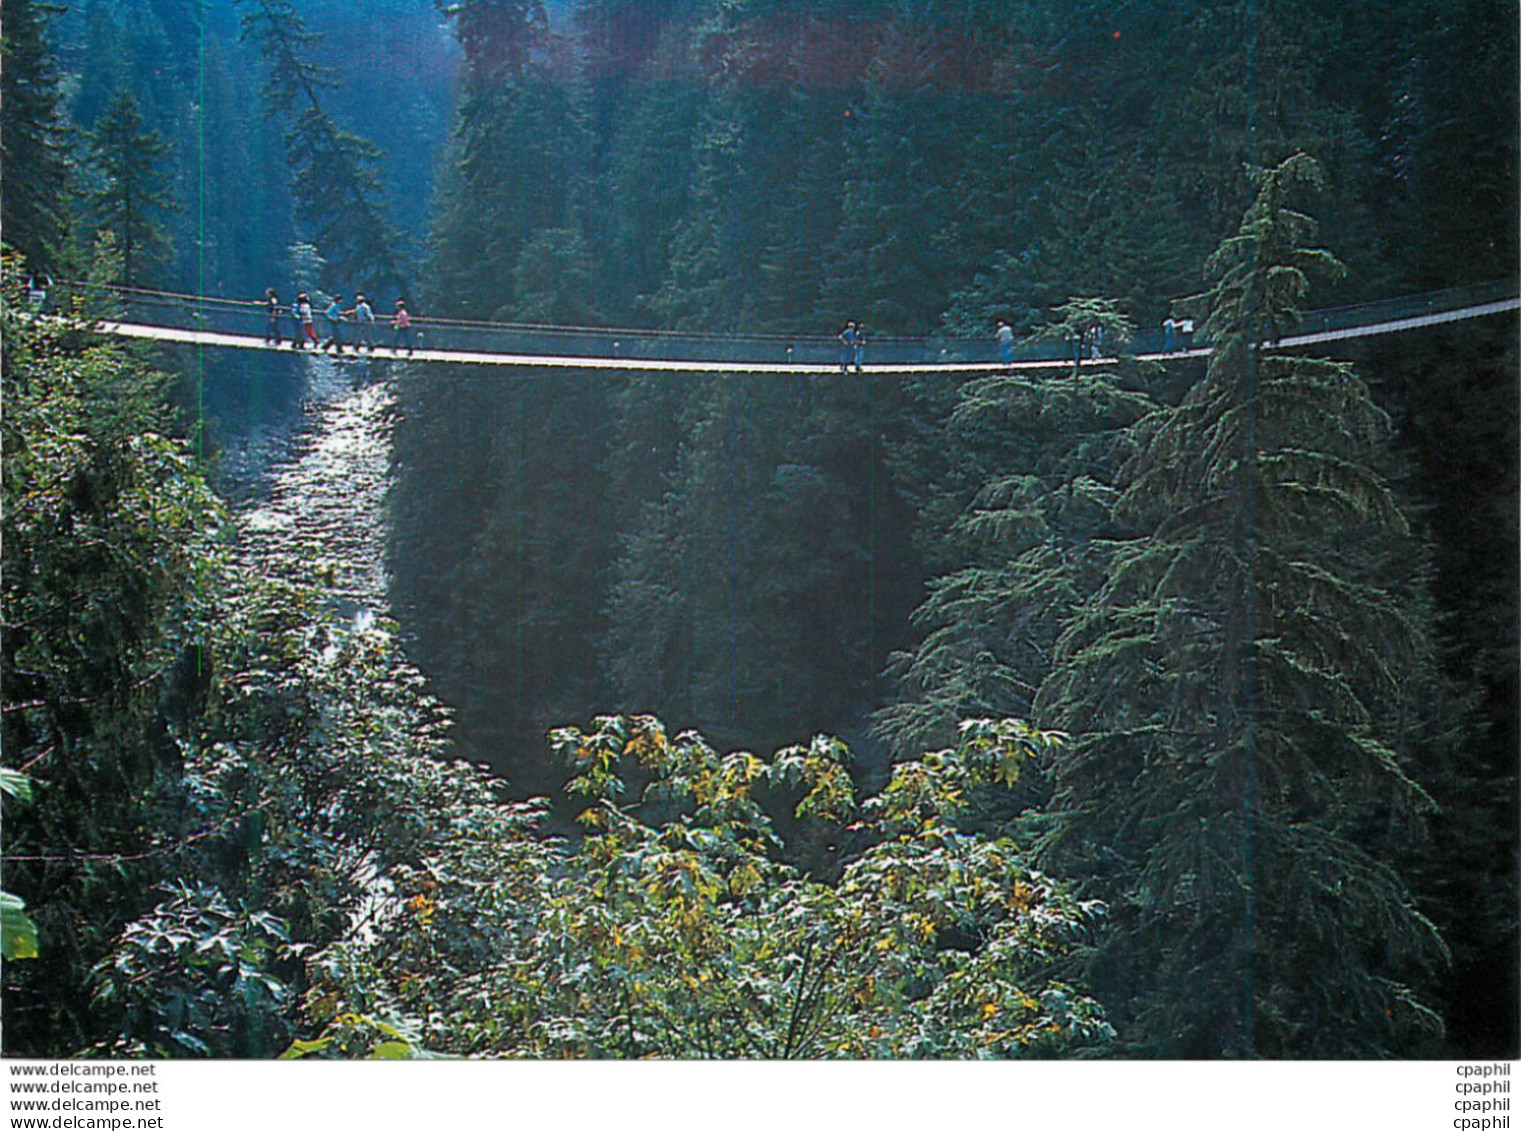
1005	342
364	319
848	338
333	315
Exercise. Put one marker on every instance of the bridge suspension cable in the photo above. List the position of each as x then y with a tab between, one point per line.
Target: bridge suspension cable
230	323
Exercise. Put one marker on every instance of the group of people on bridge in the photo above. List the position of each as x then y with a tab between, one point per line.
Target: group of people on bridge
852	346
1177	333
335	318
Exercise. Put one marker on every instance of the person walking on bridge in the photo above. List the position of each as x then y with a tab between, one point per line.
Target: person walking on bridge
852	346
306	331
364	319
271	317
1005	342
401	327
334	316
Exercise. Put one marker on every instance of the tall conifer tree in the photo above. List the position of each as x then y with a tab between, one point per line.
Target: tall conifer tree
135	192
514	171
105	50
758	592
1026	547
336	184
32	143
1245	685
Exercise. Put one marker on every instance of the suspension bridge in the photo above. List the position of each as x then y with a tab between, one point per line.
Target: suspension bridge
239	324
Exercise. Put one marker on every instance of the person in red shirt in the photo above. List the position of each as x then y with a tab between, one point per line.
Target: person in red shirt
401	327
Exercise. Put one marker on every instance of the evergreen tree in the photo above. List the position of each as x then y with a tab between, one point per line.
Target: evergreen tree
32	140
1249	682
151	55
516	166
554	280
702	288
505	618
499	36
1457	389
761	587
802	171
243	212
1088	326
906	155
135	188
103	70
1026	549
1461	227
337	189
651	182
617	39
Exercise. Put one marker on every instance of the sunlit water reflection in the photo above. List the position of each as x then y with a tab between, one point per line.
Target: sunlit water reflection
325	503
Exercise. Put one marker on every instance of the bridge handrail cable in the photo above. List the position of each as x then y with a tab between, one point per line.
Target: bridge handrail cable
177	310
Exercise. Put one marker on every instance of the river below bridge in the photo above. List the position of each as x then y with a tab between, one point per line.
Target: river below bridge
313	489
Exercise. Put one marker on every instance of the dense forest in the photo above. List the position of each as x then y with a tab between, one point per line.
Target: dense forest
1130	709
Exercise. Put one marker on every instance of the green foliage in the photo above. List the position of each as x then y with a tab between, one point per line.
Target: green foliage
756	589
1260	275
288	863
1458	427
554	279
189	978
1090	326
1021	555
33	141
18	934
507	237
510	182
1248	683
135	191
312	793
682	936
105	45
241	838
109	535
338	191
921	164
498	35
778	166
515	460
